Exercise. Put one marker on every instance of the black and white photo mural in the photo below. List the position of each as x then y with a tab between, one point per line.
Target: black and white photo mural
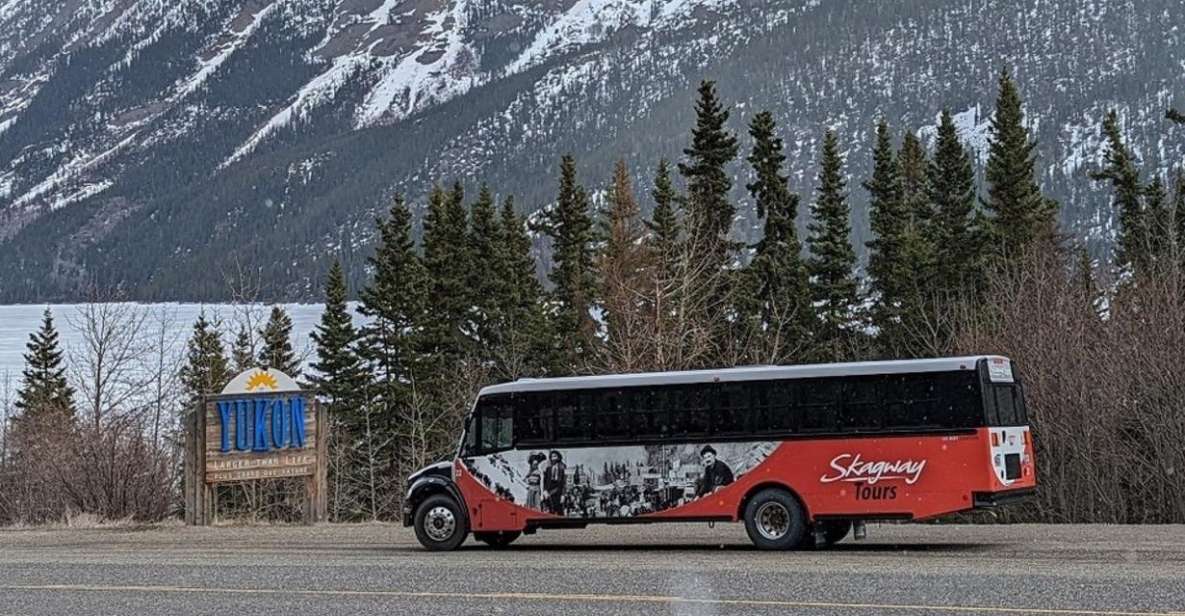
610	482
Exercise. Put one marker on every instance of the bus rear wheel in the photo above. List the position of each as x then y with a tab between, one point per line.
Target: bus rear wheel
440	523
499	539
775	520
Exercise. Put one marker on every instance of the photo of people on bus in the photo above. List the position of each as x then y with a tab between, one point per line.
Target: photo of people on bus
635	481
716	475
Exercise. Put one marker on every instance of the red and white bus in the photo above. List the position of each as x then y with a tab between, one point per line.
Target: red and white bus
800	454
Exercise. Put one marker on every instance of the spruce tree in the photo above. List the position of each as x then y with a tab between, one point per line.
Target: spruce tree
919	292
713	147
44	389
526	348
775	295
449	273
488	278
664	223
570	228
1020	213
888	219
393	303
832	261
276	337
951	190
241	354
206	370
337	374
1120	170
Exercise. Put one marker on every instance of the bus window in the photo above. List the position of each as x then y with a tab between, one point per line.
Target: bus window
862	404
570	424
820	405
733	404
612	418
960	400
497	423
533	424
690	411
1005	403
647	412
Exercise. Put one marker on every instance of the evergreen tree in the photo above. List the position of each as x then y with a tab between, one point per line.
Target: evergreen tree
276	337
44	389
713	147
206	370
393	302
664	224
337	374
570	228
951	190
525	339
241	354
449	270
832	261
1021	215
775	296
488	278
918	285
888	219
1121	171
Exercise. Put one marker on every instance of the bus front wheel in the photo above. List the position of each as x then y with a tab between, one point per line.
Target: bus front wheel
441	523
775	520
498	539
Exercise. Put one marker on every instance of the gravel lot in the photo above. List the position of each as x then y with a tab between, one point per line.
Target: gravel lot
660	569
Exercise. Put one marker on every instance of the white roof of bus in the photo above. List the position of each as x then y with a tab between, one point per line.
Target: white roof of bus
749	373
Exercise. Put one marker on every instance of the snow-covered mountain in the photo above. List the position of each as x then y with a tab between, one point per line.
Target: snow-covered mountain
168	146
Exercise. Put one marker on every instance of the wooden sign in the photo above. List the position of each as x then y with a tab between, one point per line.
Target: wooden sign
261	426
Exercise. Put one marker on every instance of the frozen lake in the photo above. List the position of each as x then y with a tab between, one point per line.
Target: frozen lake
17	322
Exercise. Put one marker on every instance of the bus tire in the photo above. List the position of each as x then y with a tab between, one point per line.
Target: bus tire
775	520
441	523
498	539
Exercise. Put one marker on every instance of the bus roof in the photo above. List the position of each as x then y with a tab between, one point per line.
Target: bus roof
747	373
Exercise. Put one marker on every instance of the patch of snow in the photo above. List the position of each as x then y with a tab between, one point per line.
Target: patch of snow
408	83
208	67
973	127
70	169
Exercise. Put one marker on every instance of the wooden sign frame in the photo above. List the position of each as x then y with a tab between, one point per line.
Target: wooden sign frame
207	465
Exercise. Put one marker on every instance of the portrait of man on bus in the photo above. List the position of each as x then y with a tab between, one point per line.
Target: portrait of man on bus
716	475
555	481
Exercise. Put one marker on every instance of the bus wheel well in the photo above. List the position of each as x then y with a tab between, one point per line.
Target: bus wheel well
423	492
766	486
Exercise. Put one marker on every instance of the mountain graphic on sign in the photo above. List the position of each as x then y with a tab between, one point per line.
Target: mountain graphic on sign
262	380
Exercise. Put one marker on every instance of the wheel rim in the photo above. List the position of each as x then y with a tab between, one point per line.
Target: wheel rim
773	521
440	523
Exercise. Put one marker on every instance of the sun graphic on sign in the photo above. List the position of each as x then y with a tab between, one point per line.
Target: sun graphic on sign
262	380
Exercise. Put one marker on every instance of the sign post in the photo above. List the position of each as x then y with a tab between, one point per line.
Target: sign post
261	426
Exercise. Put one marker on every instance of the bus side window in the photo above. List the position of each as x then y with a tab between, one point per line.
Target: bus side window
612	416
819	405
960	400
497	424
569	427
862	408
734	403
647	413
533	424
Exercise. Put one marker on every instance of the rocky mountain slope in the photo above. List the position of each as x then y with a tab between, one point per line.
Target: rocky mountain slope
168	146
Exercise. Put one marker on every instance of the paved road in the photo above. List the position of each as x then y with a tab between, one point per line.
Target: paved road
632	570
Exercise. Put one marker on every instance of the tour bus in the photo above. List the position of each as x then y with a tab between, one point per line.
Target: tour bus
800	454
